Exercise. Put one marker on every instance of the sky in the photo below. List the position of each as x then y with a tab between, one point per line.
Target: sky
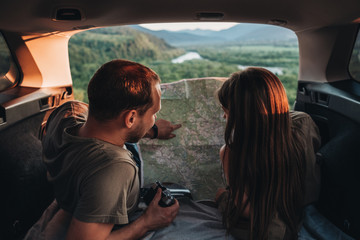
189	26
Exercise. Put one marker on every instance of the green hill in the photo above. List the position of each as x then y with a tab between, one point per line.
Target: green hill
89	50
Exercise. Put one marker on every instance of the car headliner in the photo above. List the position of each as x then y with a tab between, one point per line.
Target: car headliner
35	16
326	30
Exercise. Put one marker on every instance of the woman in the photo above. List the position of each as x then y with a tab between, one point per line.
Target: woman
262	160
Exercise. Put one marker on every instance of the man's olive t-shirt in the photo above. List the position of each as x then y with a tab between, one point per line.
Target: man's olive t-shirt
94	180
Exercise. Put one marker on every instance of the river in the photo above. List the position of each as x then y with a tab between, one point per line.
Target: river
187	56
194	55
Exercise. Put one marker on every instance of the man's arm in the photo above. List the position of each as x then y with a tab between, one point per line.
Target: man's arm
155	217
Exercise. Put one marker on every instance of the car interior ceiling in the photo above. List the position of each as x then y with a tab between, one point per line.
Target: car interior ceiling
326	91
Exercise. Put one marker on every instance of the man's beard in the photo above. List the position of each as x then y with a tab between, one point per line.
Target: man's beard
136	134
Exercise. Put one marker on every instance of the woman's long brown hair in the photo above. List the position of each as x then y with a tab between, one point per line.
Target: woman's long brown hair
265	159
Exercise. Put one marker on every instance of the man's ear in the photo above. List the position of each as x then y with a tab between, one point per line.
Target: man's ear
130	118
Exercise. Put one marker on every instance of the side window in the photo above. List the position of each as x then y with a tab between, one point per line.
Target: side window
9	73
354	66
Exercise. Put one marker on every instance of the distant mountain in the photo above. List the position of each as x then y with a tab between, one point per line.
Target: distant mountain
199	32
179	38
240	33
230	33
268	33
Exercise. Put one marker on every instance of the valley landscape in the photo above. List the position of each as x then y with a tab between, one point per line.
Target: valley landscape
221	52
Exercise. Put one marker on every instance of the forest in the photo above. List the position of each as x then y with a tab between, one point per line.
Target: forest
89	50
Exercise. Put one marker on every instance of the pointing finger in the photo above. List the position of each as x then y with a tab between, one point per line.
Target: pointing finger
176	126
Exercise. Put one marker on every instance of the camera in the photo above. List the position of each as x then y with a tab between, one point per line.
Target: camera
166	199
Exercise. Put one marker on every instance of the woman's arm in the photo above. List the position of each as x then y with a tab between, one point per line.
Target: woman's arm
224	164
224	157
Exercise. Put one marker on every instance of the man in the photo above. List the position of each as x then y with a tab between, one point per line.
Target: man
95	178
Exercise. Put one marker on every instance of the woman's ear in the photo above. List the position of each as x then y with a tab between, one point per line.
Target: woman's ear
130	118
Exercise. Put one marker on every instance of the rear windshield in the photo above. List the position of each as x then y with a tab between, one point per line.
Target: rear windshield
184	54
354	66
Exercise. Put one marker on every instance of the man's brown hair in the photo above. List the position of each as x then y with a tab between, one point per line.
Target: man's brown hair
120	85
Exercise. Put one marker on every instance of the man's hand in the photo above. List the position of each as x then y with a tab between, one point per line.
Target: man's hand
157	217
165	129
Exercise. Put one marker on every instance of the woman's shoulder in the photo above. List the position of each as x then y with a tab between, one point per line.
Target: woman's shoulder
304	126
